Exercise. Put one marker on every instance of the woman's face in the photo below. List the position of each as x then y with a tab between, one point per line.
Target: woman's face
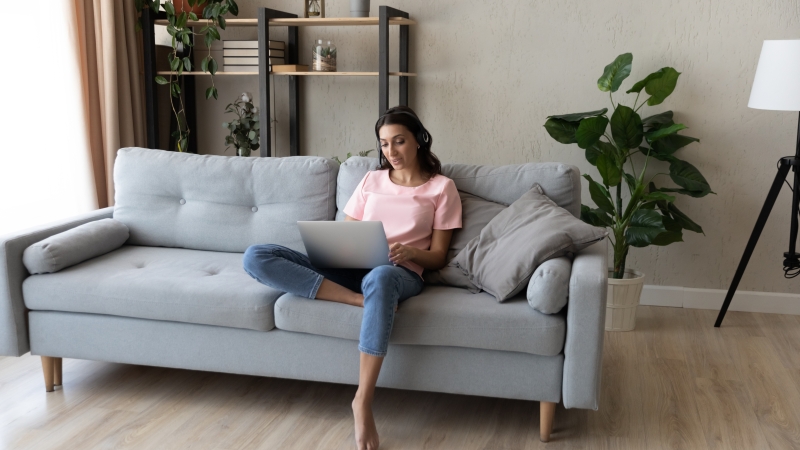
398	146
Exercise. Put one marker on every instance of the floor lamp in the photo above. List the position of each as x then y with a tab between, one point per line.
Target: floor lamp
776	87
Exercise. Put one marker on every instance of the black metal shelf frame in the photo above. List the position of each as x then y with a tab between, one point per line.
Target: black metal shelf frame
292	51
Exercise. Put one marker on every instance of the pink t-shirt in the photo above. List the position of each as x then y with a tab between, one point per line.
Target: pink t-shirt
409	214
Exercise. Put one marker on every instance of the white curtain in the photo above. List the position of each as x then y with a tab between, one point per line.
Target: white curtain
45	171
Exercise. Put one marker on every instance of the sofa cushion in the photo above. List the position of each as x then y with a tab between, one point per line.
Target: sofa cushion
500	184
178	285
440	315
220	203
74	246
350	174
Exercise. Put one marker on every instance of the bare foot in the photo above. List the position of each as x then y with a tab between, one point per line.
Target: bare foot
366	432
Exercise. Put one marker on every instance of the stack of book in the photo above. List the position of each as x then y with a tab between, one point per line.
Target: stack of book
242	56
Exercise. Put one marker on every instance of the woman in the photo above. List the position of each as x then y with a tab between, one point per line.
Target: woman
419	209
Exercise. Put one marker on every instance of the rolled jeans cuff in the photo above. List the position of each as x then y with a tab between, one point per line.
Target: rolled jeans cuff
371	352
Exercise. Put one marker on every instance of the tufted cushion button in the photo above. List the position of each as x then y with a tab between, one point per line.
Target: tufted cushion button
182	202
254	208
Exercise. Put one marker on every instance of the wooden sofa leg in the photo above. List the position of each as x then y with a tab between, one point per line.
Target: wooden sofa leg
47	367
547	411
57	371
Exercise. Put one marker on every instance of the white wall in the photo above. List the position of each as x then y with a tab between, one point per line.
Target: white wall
490	72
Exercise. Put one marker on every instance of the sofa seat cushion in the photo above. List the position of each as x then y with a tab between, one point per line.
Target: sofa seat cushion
440	315
179	285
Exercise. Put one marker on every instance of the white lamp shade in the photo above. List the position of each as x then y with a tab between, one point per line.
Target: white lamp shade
777	82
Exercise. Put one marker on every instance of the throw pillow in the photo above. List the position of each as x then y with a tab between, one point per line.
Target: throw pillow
532	230
74	246
476	212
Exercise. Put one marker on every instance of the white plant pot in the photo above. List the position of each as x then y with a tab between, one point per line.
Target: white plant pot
623	298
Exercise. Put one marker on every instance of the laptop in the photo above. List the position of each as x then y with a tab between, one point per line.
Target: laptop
345	245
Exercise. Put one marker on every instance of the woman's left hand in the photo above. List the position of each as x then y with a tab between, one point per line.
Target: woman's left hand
399	253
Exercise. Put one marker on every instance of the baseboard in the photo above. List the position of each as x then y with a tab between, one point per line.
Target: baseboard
749	301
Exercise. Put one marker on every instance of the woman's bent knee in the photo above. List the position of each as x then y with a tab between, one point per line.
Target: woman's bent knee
255	255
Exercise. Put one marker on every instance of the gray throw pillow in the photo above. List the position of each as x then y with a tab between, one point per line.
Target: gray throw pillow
548	289
74	246
532	230
476	213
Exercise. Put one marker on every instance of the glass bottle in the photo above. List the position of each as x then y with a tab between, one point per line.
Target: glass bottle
313	8
323	56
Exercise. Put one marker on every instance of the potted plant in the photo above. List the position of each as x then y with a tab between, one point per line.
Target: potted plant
649	216
361	153
245	130
179	13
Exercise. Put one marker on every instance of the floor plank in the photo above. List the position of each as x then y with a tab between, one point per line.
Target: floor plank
674	382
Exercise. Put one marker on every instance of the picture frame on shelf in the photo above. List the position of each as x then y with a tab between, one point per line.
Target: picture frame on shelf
321	9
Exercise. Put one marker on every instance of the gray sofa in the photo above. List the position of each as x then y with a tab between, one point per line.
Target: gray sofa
176	295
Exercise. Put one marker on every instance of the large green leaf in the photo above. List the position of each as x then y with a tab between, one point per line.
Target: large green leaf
670	144
600	195
590	130
611	173
645	226
592	153
664	132
630	180
660	88
626	127
641	84
577	117
668	237
683	220
596	217
664	118
561	130
615	73
688	177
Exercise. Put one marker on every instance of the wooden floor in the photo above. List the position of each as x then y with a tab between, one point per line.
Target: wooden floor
675	382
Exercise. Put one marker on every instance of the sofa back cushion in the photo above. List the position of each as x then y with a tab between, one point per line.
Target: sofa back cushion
499	184
220	203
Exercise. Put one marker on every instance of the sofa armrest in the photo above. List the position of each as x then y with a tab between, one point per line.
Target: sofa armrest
586	317
13	320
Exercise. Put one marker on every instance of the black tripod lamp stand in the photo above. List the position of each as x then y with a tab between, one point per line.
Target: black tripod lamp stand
776	87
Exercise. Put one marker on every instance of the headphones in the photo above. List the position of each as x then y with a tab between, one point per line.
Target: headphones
422	135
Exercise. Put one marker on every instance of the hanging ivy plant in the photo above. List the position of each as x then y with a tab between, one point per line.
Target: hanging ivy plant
213	13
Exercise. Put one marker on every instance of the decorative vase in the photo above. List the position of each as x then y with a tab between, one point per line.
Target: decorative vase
623	298
241	151
323	56
359	8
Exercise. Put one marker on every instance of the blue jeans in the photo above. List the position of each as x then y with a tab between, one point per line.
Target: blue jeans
383	287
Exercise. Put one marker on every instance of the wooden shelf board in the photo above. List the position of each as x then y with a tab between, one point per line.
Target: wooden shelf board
324	22
219	72
347	74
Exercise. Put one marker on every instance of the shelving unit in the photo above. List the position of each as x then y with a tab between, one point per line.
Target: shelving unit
269	18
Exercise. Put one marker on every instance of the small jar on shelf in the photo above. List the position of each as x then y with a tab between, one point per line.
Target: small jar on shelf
323	56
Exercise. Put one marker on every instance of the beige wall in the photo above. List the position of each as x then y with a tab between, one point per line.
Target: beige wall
490	72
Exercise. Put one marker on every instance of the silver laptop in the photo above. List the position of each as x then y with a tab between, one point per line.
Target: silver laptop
345	245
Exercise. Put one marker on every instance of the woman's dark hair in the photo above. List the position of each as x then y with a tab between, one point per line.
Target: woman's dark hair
403	115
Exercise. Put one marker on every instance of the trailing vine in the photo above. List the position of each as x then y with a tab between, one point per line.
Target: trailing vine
182	34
